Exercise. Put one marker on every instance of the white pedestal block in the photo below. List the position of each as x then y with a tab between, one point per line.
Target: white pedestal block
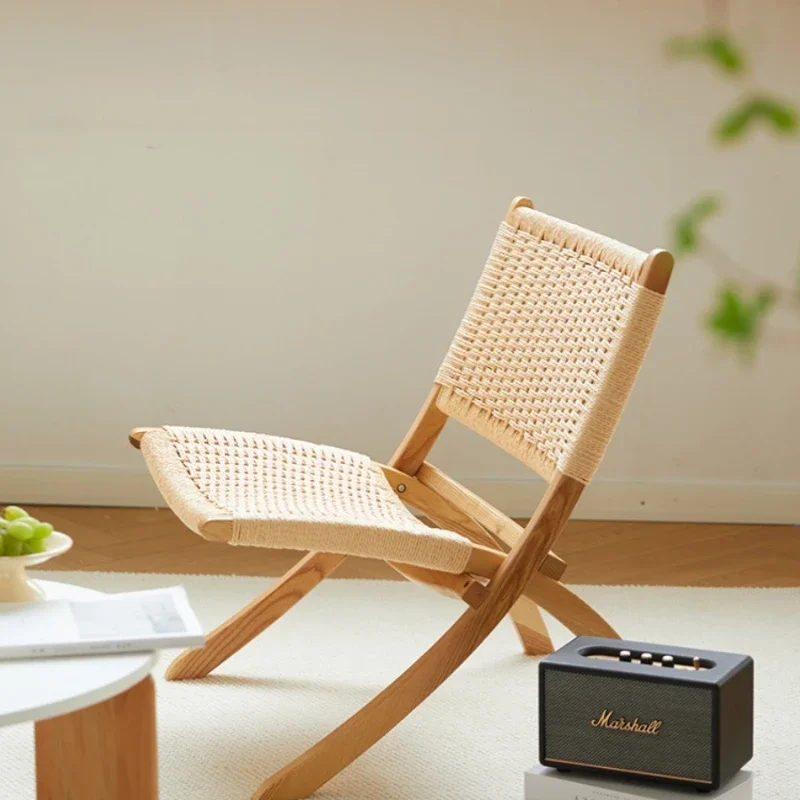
543	783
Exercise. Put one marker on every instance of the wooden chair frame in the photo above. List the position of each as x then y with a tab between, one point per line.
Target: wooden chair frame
511	570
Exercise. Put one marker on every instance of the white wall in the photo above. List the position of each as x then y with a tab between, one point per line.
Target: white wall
270	216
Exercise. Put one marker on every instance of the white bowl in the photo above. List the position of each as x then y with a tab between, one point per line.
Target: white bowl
15	585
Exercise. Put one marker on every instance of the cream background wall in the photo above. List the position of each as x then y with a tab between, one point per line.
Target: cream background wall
270	216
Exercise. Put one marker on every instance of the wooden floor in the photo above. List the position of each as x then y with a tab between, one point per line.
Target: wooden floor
677	554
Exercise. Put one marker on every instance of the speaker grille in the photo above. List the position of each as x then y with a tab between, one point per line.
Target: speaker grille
682	748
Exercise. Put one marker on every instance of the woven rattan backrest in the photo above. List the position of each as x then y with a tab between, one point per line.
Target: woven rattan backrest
552	341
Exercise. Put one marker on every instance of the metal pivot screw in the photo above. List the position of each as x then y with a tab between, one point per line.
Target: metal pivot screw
401	487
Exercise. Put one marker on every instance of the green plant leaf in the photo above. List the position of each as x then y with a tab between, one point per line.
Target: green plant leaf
780	117
686	226
724	52
715	46
737	319
736	122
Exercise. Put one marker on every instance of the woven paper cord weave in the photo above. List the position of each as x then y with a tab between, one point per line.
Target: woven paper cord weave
552	341
290	494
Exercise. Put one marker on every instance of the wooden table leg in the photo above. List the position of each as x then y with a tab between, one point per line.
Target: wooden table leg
104	752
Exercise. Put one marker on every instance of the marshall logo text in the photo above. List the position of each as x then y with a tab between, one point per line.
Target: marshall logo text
607	720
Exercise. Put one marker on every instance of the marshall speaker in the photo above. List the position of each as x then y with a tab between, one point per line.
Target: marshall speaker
669	713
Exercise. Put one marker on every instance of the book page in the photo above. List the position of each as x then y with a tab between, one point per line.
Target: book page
147	616
150	617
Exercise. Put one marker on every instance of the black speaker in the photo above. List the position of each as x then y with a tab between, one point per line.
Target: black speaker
669	713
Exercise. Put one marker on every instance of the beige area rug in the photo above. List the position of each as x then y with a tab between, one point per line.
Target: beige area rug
471	740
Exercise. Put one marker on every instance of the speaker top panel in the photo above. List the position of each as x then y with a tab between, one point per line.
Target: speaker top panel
647	661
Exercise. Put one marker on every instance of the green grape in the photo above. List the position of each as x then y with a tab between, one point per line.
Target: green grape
33	546
13	547
3	524
19	529
2	545
42	530
14	512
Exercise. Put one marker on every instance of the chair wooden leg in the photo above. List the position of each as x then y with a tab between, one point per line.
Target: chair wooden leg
572	612
525	615
342	746
531	628
254	618
333	753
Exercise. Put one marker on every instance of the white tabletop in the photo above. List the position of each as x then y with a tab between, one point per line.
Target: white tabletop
41	688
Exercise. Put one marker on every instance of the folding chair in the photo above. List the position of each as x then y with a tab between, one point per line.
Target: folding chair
542	365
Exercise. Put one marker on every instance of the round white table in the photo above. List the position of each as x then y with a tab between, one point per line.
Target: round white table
94	718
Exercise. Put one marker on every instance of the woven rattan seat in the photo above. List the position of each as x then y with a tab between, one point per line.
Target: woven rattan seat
285	493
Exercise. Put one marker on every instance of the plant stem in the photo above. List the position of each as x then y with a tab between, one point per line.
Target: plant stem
730	270
717	13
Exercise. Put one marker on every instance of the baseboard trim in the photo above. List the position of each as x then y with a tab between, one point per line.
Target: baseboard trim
653	501
659	501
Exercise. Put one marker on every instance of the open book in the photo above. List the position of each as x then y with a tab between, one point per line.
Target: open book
116	623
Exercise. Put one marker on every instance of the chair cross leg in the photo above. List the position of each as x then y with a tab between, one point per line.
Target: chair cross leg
339	748
352	738
525	614
257	616
531	628
527	618
570	610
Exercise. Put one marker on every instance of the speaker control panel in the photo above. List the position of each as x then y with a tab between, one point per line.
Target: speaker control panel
661	660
